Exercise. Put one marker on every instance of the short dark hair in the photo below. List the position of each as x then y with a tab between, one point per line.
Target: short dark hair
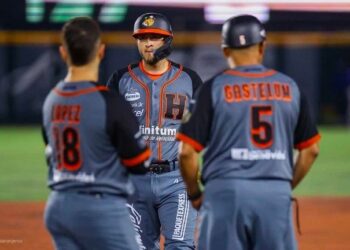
80	36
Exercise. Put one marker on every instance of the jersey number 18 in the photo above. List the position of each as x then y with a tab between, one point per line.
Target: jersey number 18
67	148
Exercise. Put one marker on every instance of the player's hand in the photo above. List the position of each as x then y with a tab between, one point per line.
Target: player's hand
197	203
48	154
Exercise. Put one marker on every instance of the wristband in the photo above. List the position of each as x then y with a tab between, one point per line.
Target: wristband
195	196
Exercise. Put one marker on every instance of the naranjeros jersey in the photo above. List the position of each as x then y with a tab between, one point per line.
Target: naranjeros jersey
89	132
158	104
248	119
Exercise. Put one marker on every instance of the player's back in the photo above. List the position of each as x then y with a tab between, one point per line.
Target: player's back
79	132
255	112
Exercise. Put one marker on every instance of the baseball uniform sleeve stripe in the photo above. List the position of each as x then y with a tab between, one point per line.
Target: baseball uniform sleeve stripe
182	137
134	161
308	142
305	130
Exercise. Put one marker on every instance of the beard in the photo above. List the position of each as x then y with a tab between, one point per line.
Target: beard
151	60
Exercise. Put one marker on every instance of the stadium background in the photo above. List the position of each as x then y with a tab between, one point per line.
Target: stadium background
310	42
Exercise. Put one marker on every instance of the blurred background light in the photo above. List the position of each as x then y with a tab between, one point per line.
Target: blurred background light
220	13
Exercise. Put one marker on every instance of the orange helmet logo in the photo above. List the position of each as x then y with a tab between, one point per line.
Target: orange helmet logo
149	21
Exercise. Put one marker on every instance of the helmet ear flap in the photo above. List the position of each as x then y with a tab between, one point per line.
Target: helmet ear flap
155	23
164	51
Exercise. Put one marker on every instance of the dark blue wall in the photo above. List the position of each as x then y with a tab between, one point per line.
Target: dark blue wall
27	73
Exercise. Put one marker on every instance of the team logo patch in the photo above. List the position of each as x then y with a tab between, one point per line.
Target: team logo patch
132	95
175	106
149	21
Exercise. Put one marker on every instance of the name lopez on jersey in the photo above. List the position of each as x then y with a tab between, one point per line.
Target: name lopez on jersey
66	113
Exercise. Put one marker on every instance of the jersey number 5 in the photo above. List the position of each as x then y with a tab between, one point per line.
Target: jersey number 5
261	130
67	148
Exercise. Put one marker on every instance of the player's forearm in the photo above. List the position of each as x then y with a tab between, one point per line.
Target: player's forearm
304	162
189	168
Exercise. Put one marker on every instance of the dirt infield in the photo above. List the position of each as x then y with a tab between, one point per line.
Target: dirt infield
325	225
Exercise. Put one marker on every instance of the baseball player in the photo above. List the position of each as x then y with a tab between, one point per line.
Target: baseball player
248	119
89	132
159	91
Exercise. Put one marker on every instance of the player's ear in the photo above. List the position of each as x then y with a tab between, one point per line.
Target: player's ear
262	46
261	50
228	55
101	51
63	53
226	52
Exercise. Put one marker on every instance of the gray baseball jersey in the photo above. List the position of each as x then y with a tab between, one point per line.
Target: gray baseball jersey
90	132
249	119
158	104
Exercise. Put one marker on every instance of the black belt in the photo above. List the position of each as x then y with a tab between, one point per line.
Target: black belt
92	193
98	194
161	167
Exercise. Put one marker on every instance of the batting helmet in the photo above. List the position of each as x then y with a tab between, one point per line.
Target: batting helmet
155	23
242	31
152	23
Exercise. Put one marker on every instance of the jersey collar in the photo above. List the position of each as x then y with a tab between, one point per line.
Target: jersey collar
250	68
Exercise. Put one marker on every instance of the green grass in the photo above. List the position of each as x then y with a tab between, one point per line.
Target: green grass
23	170
330	175
22	164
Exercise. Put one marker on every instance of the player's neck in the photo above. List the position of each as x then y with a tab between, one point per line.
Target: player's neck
245	57
88	72
157	69
236	62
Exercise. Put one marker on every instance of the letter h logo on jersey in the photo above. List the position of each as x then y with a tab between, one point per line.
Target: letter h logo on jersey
175	106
